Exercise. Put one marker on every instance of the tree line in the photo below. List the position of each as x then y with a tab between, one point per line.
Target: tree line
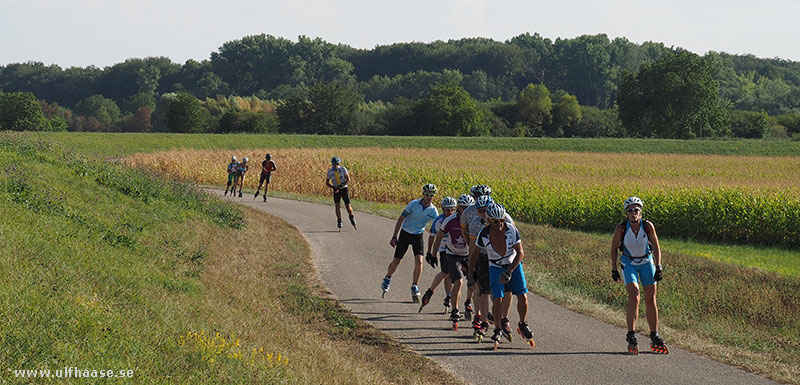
592	84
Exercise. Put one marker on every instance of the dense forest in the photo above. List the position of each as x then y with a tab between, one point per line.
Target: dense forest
526	86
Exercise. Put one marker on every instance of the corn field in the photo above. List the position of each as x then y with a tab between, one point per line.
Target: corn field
734	199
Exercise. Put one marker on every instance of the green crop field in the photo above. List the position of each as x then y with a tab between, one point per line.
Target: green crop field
115	145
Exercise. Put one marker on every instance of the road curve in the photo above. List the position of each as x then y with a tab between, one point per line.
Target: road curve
570	348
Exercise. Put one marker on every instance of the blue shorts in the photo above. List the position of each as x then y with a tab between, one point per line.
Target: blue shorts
638	273
517	285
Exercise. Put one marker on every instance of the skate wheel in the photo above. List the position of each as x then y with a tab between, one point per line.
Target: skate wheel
495	345
479	338
633	350
659	349
383	294
455	326
532	343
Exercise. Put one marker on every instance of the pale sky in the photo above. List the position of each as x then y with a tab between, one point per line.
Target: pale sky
106	32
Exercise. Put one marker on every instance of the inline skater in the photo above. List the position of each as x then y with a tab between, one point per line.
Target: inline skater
457	250
231	175
640	262
241	170
267	167
413	220
337	179
448	206
502	243
472	291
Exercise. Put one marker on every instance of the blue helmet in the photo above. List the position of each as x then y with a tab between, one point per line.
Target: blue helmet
483	201
336	160
496	211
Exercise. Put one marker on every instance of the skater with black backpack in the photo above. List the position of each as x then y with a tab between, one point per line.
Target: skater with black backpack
636	238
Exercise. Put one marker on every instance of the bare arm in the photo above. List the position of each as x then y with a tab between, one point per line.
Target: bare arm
473	256
437	242
615	246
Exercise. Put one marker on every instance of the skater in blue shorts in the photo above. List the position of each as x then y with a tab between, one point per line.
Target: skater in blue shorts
640	262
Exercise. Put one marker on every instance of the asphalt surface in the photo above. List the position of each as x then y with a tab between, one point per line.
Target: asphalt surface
570	348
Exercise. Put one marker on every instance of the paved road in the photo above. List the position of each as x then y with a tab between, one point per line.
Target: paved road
570	348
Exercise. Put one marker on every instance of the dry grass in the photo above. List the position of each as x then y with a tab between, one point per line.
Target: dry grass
260	287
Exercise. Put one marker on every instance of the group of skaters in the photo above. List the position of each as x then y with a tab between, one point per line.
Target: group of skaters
237	170
475	241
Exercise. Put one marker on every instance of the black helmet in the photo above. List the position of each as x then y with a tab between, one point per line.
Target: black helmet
269	156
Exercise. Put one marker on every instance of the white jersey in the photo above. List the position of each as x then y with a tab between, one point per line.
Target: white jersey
435	226
512	238
636	245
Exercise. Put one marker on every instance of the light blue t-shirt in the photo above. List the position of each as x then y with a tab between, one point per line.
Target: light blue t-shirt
418	216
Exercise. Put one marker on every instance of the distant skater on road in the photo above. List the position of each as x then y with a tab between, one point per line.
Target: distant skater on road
636	238
231	169
241	171
411	225
336	180
267	168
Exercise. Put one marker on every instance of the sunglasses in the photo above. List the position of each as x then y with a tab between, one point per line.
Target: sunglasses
428	195
496	220
634	210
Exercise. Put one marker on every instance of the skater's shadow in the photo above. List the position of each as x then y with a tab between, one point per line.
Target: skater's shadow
321	231
508	351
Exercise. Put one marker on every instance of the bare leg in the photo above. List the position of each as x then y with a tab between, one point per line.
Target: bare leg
632	311
651	306
417	268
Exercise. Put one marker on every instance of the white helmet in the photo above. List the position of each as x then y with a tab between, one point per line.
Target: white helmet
448	202
483	201
479	190
244	160
233	158
429	188
466	200
631	202
496	211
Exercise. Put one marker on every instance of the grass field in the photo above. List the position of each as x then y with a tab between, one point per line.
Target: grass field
702	197
117	145
106	267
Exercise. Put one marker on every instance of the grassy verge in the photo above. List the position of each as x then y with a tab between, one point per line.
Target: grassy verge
116	145
742	316
108	268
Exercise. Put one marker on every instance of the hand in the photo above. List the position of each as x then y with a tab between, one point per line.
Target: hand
433	261
335	190
505	277
658	275
615	275
393	242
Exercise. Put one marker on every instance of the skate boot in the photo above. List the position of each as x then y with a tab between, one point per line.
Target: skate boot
339	224
446	304
483	330
526	333
265	197
415	294
226	193
657	344
633	345
506	327
353	222
385	285
256	196
490	317
476	327
426	298
496	337
454	317
468	310
240	193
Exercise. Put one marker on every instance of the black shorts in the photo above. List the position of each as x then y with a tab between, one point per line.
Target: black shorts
457	267
265	178
404	240
343	195
444	261
481	274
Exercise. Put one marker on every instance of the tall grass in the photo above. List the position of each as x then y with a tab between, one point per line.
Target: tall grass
729	199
